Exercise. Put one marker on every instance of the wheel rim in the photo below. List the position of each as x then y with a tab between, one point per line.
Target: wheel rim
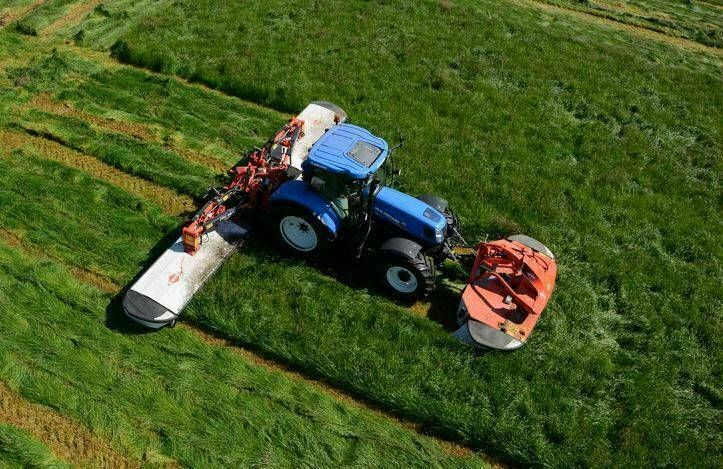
401	279
298	233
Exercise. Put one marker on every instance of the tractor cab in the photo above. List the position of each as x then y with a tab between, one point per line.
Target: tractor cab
342	165
348	150
347	166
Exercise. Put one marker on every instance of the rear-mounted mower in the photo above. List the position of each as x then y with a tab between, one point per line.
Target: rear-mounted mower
321	185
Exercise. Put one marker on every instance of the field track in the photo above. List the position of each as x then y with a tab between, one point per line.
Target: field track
640	31
75	15
20	12
69	440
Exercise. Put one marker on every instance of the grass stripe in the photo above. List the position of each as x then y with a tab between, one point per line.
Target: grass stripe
20	449
238	408
11	15
44	102
217	340
67	438
76	13
598	18
170	201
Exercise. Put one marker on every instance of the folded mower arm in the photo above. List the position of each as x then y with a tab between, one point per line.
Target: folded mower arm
252	183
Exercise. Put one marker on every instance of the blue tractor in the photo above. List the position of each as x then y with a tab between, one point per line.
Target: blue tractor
341	201
322	186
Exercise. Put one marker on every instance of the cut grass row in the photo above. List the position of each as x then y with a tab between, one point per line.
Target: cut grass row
19	449
586	164
35	432
157	395
693	20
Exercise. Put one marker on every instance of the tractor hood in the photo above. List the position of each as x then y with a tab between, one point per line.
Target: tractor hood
410	215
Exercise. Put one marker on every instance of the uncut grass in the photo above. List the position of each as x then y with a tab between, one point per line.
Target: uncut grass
19	449
604	146
164	394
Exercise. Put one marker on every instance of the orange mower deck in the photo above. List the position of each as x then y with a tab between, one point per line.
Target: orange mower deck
509	287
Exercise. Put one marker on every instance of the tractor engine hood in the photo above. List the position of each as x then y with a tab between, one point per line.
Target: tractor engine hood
410	215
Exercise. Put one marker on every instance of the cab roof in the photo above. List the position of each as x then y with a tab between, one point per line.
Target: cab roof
348	149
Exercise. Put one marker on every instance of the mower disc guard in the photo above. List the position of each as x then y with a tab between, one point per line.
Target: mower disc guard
160	294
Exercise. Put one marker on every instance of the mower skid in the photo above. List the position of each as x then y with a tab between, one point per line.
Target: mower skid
157	298
479	335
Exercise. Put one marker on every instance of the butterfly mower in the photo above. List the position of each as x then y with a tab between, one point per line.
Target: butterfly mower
322	186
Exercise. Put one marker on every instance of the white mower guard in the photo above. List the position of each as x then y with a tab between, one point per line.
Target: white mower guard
160	294
157	298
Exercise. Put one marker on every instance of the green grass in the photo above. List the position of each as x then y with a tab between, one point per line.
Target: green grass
43	16
20	449
602	145
699	21
67	345
166	394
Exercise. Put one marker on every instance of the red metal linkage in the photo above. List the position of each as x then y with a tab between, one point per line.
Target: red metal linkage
265	169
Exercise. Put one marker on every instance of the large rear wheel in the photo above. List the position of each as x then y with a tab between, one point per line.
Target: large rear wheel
407	278
299	232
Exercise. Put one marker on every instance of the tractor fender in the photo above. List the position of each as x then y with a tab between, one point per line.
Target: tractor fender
401	246
436	202
299	193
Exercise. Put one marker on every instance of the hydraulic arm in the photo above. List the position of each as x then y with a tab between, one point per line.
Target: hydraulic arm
253	181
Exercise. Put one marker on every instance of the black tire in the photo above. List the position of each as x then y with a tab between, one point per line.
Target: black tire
462	314
286	242
421	267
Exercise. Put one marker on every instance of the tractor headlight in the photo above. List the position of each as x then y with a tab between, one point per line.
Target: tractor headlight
439	235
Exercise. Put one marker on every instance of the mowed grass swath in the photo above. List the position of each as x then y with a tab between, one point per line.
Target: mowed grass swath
20	449
609	153
159	399
699	21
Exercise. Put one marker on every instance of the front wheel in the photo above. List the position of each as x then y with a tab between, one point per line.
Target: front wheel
407	278
299	232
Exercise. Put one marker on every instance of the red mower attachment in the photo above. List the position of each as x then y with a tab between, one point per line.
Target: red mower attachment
509	287
253	182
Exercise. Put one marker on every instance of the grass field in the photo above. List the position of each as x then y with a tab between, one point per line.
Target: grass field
71	240
602	143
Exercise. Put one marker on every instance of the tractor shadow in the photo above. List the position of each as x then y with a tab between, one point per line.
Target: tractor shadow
440	306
